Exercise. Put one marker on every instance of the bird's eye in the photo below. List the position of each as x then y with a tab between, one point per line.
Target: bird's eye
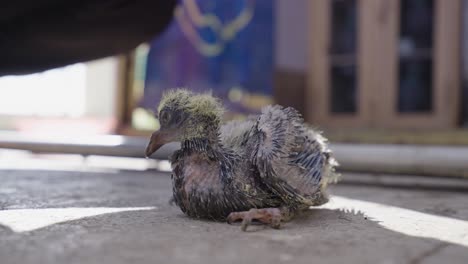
164	117
177	118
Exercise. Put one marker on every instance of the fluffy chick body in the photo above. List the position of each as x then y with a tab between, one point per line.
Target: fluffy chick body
272	160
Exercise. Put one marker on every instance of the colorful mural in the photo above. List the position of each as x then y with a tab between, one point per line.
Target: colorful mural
221	46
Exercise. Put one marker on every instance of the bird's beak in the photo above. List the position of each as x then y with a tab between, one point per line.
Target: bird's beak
158	139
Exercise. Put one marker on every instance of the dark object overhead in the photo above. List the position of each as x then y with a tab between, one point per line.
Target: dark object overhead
37	35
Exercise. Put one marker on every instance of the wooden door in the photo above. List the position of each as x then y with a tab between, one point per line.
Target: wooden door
334	63
403	72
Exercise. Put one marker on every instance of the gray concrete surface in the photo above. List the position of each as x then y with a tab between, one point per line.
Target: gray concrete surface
148	230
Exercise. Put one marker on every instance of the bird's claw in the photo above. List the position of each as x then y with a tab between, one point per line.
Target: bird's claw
244	216
270	216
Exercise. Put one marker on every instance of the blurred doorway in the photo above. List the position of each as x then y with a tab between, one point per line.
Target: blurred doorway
74	100
384	64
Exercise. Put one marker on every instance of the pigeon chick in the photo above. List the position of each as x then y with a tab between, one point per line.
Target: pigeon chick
267	168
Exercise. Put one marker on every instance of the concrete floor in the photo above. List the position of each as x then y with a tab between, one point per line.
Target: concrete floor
124	217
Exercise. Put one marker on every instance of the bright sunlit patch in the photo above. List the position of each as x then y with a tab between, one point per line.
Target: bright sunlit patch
22	160
23	220
405	221
57	92
46	166
164	165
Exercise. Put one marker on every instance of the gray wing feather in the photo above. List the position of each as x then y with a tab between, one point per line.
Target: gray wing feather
293	159
234	133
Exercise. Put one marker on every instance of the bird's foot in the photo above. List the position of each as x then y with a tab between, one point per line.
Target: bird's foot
270	216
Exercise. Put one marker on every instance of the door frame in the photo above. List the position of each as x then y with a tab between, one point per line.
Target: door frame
377	68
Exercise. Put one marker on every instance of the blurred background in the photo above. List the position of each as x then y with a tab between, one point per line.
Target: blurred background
385	80
362	71
353	68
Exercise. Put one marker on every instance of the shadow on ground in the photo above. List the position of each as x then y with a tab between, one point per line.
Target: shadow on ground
165	235
331	236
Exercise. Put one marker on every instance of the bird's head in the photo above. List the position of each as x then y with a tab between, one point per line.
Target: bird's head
184	115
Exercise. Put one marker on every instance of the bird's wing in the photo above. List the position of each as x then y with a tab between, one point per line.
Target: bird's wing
293	160
234	133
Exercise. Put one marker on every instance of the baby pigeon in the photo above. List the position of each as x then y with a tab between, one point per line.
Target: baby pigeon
267	168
